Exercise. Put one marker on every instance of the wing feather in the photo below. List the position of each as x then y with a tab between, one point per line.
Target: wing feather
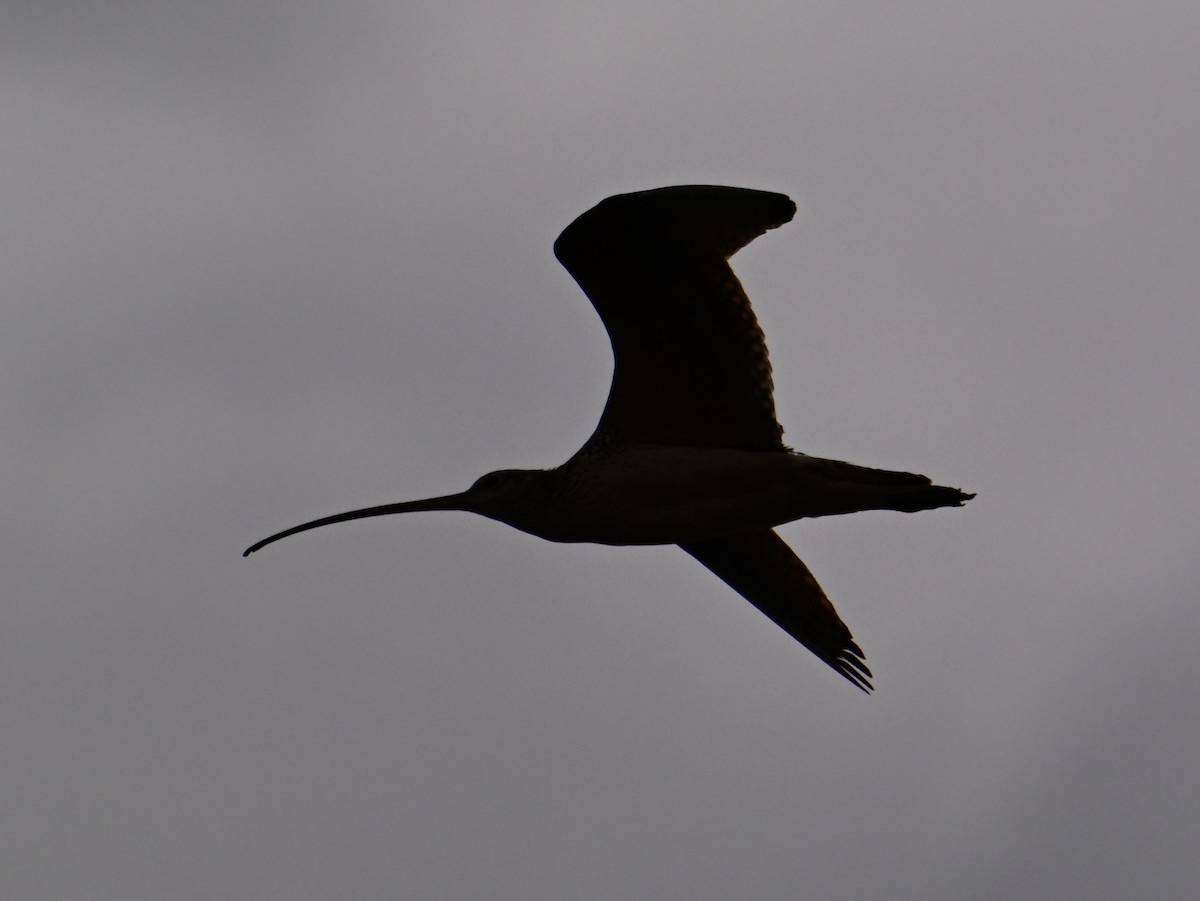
690	361
765	571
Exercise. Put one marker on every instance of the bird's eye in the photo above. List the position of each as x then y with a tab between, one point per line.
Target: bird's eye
489	482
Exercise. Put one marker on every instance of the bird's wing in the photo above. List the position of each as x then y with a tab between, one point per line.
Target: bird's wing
690	362
765	571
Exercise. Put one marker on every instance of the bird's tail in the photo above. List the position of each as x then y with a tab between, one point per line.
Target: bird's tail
839	487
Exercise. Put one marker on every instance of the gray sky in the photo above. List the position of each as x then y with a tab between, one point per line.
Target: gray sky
266	260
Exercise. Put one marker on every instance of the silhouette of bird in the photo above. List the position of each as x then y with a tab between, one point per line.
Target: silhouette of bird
688	450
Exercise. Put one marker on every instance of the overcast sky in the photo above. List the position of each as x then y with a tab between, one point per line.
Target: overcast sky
268	260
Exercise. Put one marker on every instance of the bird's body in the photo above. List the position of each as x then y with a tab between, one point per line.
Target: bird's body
688	450
659	494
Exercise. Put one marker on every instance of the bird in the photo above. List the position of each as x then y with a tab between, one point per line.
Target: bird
688	450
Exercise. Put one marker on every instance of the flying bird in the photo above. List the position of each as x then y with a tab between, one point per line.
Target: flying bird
688	450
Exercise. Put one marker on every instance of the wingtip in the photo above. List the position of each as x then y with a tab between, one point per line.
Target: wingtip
857	679
853	668
719	217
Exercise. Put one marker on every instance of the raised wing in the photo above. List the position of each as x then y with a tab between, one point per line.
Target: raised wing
765	571
690	362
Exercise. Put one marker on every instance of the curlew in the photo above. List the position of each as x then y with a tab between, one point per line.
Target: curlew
688	449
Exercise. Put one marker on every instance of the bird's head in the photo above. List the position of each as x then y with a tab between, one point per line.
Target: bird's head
512	496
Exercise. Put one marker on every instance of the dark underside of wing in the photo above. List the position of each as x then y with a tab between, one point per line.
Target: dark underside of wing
765	571
690	362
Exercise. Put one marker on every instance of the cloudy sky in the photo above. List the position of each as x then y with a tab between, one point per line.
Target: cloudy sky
268	260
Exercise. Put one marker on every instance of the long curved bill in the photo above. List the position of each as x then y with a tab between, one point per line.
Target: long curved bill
446	502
